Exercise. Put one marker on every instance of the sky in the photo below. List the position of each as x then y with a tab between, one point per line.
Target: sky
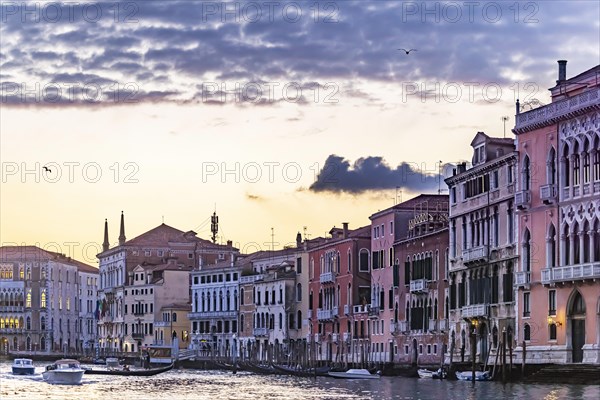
282	116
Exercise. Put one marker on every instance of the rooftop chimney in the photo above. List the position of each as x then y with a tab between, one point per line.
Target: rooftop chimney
562	71
229	243
105	244
345	225
518	107
298	240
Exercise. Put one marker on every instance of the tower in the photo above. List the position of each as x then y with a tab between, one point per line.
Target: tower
105	244
214	226
122	230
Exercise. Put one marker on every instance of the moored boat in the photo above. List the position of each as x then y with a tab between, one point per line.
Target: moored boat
468	376
124	372
23	366
65	371
354	374
428	374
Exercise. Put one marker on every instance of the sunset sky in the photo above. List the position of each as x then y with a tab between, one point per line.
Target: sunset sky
279	114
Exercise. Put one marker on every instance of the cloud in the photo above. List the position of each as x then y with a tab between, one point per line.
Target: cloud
373	174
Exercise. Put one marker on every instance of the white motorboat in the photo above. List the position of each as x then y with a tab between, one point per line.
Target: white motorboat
23	366
65	371
354	374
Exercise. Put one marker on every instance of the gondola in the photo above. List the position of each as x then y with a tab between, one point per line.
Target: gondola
258	369
321	371
141	372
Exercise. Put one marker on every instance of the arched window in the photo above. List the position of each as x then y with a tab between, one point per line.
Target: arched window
566	167
526	251
338	262
174	317
526	332
586	161
349	261
552	331
43	323
551	243
364	260
299	320
299	292
242	296
551	167
242	323
28	323
28	300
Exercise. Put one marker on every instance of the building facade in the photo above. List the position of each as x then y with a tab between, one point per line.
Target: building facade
339	296
39	300
483	256
559	223
421	312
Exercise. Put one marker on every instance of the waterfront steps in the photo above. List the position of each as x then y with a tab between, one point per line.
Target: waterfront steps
585	374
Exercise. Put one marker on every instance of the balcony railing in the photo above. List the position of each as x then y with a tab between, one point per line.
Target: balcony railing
433	324
345	336
523	199
361	309
374	311
327	277
393	328
310	313
309	338
443	325
138	336
548	193
475	254
317	338
324	314
571	273
475	310
555	111
402	326
418	285
260	331
347	309
212	314
334	337
522	278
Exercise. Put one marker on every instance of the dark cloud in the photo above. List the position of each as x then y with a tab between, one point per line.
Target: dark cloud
373	174
179	40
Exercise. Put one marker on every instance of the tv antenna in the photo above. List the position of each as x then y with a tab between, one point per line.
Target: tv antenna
214	226
504	119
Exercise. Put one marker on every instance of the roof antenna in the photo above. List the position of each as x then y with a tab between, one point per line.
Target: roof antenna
214	225
504	119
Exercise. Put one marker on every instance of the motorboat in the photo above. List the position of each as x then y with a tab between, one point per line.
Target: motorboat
65	371
468	376
23	366
354	374
428	374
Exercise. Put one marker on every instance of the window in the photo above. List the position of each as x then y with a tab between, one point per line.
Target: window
28	300
364	260
453	195
174	317
552	332
552	302
299	265
526	304
299	292
391	227
147	253
527	332
509	173
160	253
43	299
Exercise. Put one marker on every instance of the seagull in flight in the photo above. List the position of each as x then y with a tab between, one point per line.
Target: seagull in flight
408	51
47	169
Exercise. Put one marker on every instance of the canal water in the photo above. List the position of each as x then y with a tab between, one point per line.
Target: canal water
198	384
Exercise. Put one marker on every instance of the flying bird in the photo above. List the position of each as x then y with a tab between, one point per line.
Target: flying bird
47	169
408	51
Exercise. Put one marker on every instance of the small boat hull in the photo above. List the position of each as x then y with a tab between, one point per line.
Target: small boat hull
354	374
468	376
427	374
143	372
23	370
64	377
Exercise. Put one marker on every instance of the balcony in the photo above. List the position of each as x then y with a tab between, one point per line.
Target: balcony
418	286
475	310
548	193
433	325
393	328
212	314
327	277
475	255
310	314
138	336
443	325
138	313
317	338
324	314
522	278
346	337
260	331
334	337
555	111
361	309
523	199
374	312
309	338
402	326
577	272
347	309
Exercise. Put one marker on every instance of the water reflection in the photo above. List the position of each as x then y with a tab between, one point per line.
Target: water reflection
193	384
